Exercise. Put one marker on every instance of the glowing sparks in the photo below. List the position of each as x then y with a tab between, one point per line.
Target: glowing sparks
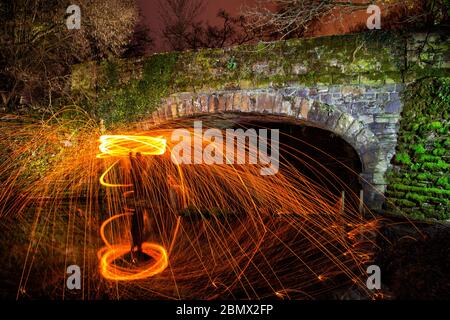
228	231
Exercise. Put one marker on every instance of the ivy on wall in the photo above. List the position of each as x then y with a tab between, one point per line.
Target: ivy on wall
419	183
118	103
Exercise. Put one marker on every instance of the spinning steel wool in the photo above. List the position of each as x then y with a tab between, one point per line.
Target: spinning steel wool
133	146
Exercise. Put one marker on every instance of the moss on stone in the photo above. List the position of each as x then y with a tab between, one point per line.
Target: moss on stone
422	170
138	97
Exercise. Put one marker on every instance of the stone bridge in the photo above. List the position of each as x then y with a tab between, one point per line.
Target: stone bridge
349	85
364	116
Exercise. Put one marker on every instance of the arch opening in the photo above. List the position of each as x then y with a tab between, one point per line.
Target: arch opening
320	155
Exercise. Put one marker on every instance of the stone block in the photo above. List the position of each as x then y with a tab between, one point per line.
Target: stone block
204	103
387	118
189	107
237	99
168	112
252	102
174	110
354	128
197	105
213	104
304	107
344	122
390	88
366	119
369	96
352	90
278	103
181	108
221	100
286	107
229	102
245	103
335	89
394	106
325	98
382	97
265	103
332	120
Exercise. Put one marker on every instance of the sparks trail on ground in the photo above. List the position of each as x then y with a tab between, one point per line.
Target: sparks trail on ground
211	231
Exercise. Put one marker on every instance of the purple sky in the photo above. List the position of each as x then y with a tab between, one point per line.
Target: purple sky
151	14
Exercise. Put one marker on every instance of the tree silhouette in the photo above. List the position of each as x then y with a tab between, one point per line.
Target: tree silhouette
182	28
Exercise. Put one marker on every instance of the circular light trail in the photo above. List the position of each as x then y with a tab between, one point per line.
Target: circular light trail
126	146
112	271
123	145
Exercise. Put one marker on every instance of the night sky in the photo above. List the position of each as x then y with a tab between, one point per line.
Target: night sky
151	14
335	23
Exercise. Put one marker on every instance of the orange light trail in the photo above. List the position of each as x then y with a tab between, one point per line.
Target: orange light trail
126	146
123	145
111	271
107	222
111	185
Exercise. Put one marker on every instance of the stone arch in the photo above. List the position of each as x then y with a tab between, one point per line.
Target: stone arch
295	107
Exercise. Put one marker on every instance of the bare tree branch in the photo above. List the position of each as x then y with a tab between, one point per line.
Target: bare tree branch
183	29
278	19
38	49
